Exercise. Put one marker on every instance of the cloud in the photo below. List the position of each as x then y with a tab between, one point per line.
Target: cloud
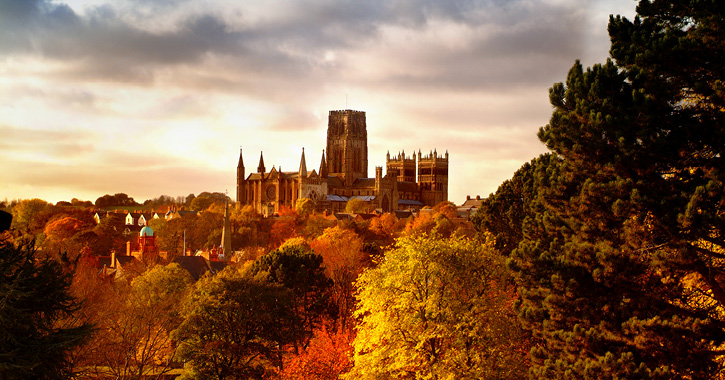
108	94
294	44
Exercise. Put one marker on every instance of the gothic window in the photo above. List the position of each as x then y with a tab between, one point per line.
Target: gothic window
271	193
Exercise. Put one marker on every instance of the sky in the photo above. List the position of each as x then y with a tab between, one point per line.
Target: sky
156	97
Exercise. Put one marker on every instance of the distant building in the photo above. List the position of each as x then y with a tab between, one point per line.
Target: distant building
469	207
343	175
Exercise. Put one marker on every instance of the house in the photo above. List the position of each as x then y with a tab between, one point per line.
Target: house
469	207
198	266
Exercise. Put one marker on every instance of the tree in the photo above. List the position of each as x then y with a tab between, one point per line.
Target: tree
34	298
342	253
305	206
326	358
622	275
295	266
505	213
137	322
118	199
384	226
356	206
235	326
438	309
26	210
58	235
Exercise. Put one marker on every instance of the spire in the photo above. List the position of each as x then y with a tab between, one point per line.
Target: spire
226	234
240	165
323	166
303	165
260	168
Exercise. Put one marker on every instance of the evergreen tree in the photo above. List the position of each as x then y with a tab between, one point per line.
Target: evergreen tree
295	266
34	302
622	269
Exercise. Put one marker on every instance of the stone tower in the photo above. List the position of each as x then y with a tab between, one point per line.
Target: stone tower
433	178
402	165
347	145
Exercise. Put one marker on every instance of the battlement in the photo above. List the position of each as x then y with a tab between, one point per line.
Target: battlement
432	156
401	157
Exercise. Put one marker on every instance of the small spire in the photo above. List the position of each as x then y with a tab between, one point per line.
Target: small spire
323	166
240	165
226	233
261	168
303	165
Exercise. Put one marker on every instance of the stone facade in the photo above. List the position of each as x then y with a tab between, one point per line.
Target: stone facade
343	175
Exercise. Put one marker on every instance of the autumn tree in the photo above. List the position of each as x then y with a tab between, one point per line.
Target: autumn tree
137	321
34	298
235	326
59	235
344	259
356	206
384	227
285	226
305	206
621	273
326	358
438	309
26	210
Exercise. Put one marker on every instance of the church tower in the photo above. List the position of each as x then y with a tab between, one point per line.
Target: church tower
347	145
433	178
241	188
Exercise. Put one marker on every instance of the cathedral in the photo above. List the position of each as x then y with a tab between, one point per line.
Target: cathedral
409	183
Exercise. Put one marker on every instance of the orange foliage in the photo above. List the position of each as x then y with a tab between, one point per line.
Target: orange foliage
284	227
344	259
384	226
339	248
327	356
63	228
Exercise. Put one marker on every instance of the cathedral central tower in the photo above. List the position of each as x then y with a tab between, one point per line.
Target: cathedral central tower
347	145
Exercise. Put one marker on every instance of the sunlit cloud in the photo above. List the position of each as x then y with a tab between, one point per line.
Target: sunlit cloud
157	97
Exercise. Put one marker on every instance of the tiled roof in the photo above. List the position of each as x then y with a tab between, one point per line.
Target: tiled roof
342	216
336	198
125	260
366	198
409	202
195	265
403	214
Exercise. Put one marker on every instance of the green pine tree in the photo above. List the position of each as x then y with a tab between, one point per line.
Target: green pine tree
34	304
622	266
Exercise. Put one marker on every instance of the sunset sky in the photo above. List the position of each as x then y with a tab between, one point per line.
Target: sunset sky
156	97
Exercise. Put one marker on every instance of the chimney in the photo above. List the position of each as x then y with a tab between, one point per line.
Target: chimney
113	258
128	248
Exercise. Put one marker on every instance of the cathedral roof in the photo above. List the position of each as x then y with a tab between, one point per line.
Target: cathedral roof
364	182
333	181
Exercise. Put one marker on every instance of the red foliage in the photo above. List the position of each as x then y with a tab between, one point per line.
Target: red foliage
327	357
